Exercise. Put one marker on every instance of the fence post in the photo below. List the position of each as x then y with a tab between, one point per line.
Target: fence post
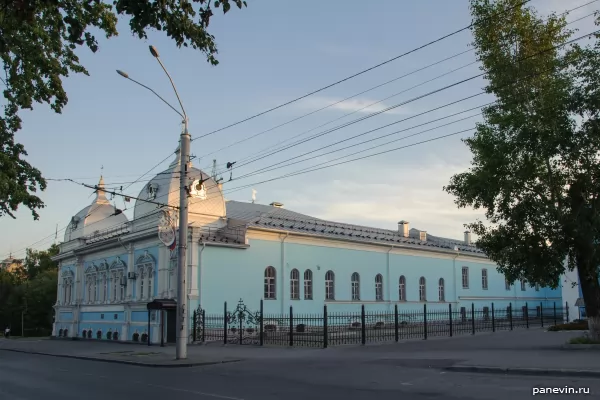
203	326
472	318
450	315
493	319
510	316
396	333
325	334
225	323
194	325
567	308
363	328
541	314
527	315
291	327
261	334
424	321
554	305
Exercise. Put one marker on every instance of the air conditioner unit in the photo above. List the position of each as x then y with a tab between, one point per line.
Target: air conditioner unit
131	275
123	281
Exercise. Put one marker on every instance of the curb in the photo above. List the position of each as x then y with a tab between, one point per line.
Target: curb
592	347
525	371
139	364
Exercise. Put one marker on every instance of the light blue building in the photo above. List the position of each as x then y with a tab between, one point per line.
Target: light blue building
111	268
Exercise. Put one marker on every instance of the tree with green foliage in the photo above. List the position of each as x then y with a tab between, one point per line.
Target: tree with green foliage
38	44
535	168
28	293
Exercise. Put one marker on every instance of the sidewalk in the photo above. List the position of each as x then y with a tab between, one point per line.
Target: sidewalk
534	352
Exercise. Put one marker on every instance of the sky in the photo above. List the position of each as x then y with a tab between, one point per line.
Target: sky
270	53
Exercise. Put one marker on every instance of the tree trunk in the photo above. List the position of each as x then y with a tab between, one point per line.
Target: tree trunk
590	288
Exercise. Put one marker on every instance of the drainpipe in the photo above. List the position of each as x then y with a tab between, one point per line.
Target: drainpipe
200	273
388	282
454	278
283	272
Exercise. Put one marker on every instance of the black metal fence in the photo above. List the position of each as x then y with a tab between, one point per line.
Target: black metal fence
243	326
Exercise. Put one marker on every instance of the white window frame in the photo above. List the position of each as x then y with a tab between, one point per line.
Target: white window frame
355	286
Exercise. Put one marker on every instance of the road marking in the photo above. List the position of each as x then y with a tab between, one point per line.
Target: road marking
217	396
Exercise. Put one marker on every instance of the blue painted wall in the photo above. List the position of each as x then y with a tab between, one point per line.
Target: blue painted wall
65	316
102	316
231	274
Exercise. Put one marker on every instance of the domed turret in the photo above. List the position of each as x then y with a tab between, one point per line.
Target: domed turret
206	201
98	216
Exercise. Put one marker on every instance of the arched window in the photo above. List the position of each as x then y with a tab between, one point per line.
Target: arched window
402	288
441	294
422	291
308	285
270	283
329	285
355	286
523	287
117	271
484	279
144	267
378	287
91	281
67	286
295	284
104	277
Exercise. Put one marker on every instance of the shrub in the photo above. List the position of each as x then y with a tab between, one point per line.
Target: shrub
115	335
300	328
144	337
379	325
136	337
109	335
579	326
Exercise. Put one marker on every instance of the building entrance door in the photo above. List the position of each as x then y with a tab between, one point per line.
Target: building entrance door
171	326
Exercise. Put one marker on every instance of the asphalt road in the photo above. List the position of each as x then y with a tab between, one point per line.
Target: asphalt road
29	377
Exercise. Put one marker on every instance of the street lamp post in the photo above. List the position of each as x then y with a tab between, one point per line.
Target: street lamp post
184	149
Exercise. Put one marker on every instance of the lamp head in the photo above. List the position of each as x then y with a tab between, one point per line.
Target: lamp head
153	51
123	74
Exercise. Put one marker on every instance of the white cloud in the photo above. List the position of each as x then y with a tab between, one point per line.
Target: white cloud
409	193
360	105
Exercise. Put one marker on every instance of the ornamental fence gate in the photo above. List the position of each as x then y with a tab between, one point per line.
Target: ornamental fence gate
246	327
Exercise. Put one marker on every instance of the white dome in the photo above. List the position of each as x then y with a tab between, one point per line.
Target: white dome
98	216
164	189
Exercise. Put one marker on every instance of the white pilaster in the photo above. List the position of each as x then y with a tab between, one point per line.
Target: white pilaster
130	268
163	271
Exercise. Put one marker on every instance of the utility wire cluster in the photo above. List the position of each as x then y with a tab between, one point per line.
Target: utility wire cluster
116	189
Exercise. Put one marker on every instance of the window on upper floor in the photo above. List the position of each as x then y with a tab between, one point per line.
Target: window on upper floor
484	279
402	288
506	284
537	287
308	285
145	268
355	286
379	287
441	294
523	287
295	284
270	275
422	289
465	277
329	285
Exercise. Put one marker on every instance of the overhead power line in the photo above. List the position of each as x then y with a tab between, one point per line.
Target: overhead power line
359	73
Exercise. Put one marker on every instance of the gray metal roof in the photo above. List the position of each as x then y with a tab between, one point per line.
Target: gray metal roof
269	217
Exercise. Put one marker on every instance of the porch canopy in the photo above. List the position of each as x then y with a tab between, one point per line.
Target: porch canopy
162	304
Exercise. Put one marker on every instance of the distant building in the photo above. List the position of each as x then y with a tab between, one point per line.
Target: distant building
111	268
10	264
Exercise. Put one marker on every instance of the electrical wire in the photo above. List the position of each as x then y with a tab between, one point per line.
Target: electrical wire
361	72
